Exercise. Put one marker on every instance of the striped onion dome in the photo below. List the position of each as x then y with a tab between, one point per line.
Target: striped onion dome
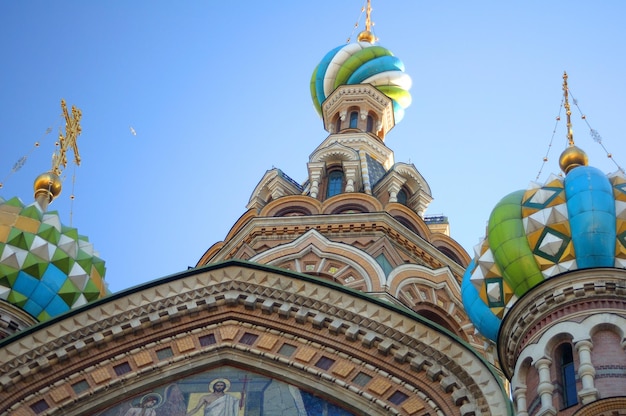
570	223
362	63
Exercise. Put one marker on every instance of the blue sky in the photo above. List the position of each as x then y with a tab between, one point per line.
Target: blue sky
218	93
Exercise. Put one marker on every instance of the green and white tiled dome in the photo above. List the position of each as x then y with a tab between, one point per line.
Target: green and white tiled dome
46	268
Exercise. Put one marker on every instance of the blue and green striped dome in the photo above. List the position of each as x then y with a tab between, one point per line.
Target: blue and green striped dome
576	222
46	268
362	63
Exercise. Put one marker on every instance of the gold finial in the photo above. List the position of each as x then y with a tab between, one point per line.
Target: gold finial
368	16
367	35
48	185
571	157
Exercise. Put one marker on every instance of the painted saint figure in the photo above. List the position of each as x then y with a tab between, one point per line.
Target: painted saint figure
217	402
146	406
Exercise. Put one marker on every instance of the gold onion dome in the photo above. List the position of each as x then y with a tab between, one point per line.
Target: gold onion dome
47	185
571	158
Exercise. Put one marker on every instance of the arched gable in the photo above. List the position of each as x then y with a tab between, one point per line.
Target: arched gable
450	248
274	184
406	215
293	204
342	202
369	271
334	152
240	314
434	292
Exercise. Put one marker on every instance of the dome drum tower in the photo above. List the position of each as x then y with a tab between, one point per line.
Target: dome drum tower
563	343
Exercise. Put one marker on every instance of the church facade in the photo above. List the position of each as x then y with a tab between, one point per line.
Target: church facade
336	296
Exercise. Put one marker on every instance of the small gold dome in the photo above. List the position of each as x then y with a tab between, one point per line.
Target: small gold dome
366	36
47	184
571	158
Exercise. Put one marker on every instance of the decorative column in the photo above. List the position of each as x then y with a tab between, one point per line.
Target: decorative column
393	192
519	396
316	170
586	372
350	174
545	387
351	170
315	187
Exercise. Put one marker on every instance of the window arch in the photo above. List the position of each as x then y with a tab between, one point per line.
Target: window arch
354	119
567	374
335	183
370	124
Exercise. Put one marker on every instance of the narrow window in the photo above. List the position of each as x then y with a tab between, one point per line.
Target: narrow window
568	375
354	118
402	197
338	125
335	183
370	124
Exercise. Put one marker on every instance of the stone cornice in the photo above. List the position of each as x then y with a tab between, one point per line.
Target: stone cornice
293	227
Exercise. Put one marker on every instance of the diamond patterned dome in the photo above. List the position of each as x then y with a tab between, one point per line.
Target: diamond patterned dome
46	268
570	223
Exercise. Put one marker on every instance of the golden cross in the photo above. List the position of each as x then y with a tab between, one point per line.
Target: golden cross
568	111
368	16
72	131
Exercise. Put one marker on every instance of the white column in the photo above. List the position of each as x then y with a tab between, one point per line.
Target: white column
350	175
545	387
586	372
393	193
519	395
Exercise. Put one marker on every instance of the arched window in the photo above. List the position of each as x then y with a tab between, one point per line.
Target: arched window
354	118
338	125
370	124
568	375
401	197
335	183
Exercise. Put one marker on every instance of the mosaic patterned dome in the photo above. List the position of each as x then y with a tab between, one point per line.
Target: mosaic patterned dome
570	223
46	268
362	63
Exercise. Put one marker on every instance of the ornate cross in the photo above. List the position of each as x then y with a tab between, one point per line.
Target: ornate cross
72	131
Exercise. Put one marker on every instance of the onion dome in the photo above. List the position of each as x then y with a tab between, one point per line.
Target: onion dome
576	222
362	63
46	268
568	223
